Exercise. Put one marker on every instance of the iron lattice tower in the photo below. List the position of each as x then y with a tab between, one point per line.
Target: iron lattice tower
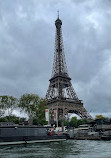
61	94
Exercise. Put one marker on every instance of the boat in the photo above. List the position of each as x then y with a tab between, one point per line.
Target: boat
11	134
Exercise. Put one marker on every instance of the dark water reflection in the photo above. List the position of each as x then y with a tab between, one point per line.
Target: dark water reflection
64	149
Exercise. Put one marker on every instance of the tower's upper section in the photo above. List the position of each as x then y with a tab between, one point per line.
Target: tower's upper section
59	64
60	83
58	23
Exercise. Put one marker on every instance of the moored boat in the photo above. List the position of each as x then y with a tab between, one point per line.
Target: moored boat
22	134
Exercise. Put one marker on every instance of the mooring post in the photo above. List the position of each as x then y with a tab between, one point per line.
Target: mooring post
62	123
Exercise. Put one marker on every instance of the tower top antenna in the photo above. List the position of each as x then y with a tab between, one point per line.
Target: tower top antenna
58	14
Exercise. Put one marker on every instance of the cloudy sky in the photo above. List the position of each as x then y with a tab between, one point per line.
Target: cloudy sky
27	36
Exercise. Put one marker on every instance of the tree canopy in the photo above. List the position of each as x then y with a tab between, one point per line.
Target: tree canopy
99	117
8	103
34	106
31	104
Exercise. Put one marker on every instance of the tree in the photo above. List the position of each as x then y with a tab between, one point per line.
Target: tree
41	109
34	106
8	103
12	118
29	104
73	122
40	112
2	112
81	122
99	117
66	123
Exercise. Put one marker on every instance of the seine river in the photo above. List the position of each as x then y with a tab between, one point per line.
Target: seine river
64	149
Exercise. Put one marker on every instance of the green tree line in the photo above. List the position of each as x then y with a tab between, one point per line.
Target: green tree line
74	122
31	104
34	107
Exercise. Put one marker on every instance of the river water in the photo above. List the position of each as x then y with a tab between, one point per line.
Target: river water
64	149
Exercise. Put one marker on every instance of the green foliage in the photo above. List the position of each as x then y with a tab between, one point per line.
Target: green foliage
82	121
39	122
35	121
3	119
66	123
40	112
12	118
34	106
29	104
2	112
73	122
99	117
8	103
43	122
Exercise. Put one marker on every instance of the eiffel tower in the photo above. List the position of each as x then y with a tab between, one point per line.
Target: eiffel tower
61	95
